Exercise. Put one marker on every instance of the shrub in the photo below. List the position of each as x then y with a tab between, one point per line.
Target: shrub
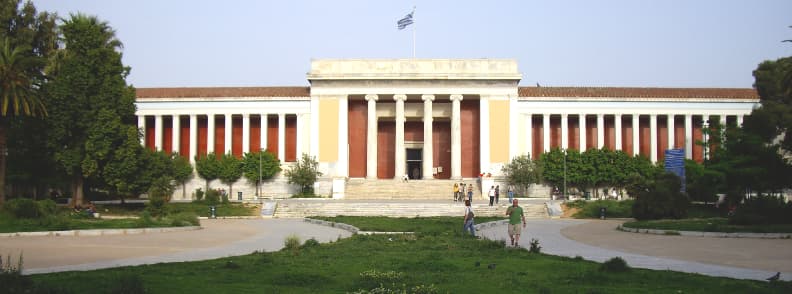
591	209
184	219
292	243
661	199
535	248
615	265
145	220
156	207
47	207
312	242
212	197
22	208
763	210
371	279
11	277
199	194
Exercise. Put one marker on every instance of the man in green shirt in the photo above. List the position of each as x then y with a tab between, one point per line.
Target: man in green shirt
515	213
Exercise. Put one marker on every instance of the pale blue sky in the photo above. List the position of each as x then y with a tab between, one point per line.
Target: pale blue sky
671	43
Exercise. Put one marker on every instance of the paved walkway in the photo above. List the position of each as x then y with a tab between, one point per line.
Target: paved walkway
219	238
597	240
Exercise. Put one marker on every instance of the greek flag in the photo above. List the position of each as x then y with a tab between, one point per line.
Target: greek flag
404	22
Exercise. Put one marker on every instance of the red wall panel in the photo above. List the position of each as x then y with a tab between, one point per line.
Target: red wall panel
236	136
291	138
610	132
202	134
591	132
538	141
255	133
184	136
470	124
219	146
386	146
555	131
627	134
574	132
662	137
413	131
441	147
149	133
272	135
167	134
645	134
358	125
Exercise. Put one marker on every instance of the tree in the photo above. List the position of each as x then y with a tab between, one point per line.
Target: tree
702	184
522	172
182	171
90	101
26	41
208	167
230	170
267	166
660	197
304	173
124	173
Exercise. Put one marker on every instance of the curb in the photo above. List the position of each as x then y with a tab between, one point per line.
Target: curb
230	217
346	227
102	232
707	234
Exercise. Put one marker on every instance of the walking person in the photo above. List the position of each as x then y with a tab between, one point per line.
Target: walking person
497	193
469	223
510	192
515	212
456	192
470	193
491	194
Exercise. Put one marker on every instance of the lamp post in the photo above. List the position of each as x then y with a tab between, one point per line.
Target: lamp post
258	186
565	174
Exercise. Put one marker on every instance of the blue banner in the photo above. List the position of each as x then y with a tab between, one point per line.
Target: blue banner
675	163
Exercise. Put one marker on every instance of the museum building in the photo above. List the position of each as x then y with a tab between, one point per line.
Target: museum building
434	120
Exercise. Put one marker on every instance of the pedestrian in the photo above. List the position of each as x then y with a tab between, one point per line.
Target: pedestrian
510	192
469	223
497	193
456	192
515	212
491	194
470	193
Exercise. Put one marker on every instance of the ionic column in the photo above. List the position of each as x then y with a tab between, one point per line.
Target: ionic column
428	158
617	119
263	131
175	131
282	137
564	131
193	137
704	135
723	120
456	137
298	144
142	129
600	130
529	140
546	132
653	137
671	131
740	121
636	125
400	152
245	133
582	124
229	124
688	136
158	132
210	133
371	137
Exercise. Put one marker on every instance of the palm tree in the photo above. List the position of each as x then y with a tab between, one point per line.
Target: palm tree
18	95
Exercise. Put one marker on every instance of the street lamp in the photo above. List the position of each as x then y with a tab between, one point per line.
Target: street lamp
258	187
565	174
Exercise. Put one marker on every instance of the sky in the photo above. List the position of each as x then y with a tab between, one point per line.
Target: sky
582	43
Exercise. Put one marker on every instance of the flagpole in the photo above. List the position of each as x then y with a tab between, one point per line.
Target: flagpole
414	25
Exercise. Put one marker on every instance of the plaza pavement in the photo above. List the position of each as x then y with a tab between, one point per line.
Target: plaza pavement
591	239
598	240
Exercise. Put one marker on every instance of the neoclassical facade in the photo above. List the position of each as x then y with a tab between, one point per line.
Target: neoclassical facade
429	119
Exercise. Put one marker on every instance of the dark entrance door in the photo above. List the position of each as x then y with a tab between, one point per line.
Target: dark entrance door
414	163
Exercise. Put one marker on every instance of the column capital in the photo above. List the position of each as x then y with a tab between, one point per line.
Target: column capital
456	97
428	97
370	97
399	97
564	115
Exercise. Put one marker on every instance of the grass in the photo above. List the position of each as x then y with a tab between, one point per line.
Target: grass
440	261
431	225
591	209
69	222
707	225
200	208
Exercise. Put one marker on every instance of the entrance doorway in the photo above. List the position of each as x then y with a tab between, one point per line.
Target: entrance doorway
414	163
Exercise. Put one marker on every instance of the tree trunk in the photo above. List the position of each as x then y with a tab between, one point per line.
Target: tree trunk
77	190
184	190
3	152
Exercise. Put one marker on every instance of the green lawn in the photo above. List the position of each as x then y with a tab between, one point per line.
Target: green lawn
64	222
198	208
432	225
707	225
438	261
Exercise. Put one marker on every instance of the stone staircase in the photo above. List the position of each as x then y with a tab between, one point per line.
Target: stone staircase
398	190
292	209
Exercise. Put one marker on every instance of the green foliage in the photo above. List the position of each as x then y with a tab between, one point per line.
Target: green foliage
212	197
591	209
208	167
535	248
230	171
184	219
371	279
661	199
159	196
522	172
615	265
27	208
268	167
304	173
199	194
311	242
763	210
702	184
182	171
292	244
